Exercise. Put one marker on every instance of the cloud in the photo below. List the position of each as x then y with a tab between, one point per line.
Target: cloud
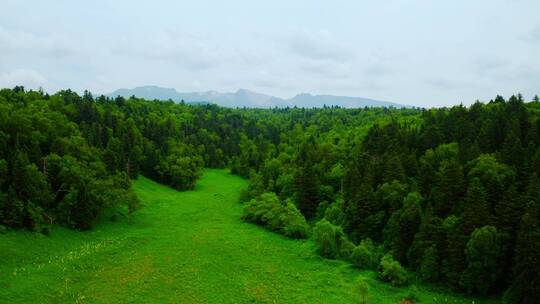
377	69
490	64
320	45
179	49
445	83
535	35
18	41
325	69
26	77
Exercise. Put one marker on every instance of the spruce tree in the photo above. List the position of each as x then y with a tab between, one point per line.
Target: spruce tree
525	286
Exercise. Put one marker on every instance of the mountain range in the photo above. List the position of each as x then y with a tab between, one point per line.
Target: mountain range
249	99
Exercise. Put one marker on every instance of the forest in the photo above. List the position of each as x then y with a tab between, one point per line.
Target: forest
447	196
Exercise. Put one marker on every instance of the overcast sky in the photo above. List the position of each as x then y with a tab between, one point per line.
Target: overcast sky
427	53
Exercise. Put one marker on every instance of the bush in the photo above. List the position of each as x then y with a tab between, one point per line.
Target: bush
391	271
295	225
346	248
365	255
330	240
334	214
363	288
412	296
283	217
244	195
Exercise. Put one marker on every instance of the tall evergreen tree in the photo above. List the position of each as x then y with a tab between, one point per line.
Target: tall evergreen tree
525	286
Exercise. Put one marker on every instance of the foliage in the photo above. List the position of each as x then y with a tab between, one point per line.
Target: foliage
391	271
365	255
413	294
268	210
363	288
334	214
429	267
331	241
484	252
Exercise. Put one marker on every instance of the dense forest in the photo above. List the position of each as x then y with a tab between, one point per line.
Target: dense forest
448	196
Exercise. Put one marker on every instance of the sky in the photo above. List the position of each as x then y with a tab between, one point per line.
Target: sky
424	53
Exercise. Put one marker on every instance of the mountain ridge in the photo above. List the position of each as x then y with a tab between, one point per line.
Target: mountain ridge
251	99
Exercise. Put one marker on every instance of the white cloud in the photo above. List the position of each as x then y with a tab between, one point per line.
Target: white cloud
19	41
534	35
26	77
320	45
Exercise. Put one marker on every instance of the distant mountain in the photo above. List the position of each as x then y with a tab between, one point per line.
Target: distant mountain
246	98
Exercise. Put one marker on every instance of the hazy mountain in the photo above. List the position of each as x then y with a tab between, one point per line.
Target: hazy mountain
246	98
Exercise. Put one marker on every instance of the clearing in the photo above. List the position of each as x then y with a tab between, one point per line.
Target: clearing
182	247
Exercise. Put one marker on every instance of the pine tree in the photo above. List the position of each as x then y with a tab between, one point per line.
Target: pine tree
525	284
306	183
454	257
450	188
509	210
361	206
476	210
429	267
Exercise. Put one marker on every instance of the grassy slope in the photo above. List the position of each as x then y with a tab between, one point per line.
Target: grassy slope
181	247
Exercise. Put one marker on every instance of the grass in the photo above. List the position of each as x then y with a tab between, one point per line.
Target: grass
182	247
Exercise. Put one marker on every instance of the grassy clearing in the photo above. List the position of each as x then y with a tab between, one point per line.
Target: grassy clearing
181	247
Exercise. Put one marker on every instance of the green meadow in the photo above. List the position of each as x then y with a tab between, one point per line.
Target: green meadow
183	247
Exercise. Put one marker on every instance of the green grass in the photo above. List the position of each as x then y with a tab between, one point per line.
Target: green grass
181	247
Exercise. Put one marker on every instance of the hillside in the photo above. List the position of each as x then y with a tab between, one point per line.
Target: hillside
182	247
250	99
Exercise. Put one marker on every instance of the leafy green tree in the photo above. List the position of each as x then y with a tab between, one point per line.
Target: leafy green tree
334	213
403	225
365	255
28	194
391	271
283	217
391	195
493	175
484	252
329	240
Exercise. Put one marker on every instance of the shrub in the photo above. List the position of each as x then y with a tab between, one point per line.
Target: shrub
321	209
363	288
346	248
391	271
283	217
244	195
412	296
295	225
364	255
334	214
330	240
